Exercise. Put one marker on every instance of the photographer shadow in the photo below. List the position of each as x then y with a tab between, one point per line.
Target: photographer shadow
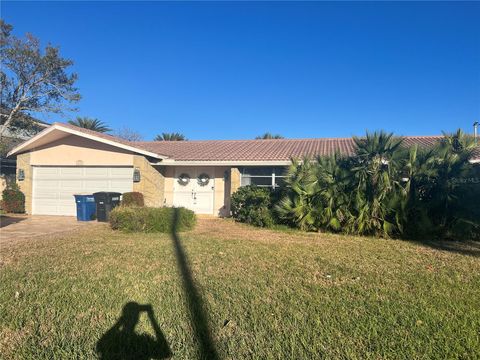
121	342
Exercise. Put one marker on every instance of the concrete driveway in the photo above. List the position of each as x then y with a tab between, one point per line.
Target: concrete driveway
17	227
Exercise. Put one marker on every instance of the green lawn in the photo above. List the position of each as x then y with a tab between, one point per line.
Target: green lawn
229	291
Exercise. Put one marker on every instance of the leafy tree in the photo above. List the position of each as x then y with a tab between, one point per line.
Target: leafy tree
32	80
91	124
128	134
170	137
268	135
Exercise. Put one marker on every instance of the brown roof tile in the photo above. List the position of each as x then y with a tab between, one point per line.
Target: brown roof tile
259	150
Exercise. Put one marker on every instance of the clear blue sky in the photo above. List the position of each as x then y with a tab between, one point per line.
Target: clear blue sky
224	70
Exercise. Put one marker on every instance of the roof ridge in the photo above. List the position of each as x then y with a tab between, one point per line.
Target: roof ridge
276	140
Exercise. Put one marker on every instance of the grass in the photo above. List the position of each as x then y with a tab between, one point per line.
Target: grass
229	291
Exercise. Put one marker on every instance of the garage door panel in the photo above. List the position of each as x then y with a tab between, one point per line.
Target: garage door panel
47	184
96	172
54	187
70	184
123	172
119	184
71	171
66	210
50	208
95	186
47	171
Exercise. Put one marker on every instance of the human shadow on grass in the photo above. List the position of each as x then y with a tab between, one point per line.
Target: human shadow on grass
196	306
121	342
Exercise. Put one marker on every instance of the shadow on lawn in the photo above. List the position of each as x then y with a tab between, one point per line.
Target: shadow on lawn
6	220
122	342
470	248
196	308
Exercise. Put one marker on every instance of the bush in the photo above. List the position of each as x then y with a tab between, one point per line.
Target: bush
13	200
253	205
132	199
148	219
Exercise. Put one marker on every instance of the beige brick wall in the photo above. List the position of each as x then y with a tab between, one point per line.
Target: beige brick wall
222	193
234	179
23	162
152	183
169	172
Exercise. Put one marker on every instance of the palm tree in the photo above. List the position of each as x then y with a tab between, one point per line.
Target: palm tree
317	194
170	137
298	206
449	196
376	168
89	123
268	135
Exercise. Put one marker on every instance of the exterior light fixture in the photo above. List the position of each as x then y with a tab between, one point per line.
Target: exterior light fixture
136	175
21	174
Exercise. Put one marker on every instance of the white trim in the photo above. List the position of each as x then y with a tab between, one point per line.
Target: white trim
171	162
82	134
28	142
474	161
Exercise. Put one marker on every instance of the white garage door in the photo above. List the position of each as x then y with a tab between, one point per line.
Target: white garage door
54	187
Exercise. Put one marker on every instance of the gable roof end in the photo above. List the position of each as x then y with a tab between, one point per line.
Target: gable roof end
85	133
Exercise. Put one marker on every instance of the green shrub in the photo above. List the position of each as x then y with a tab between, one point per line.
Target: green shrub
13	200
132	199
253	205
148	219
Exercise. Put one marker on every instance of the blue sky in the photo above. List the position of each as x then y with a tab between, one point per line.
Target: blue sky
234	70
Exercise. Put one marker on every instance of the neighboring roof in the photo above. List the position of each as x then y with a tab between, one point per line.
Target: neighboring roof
23	127
227	151
21	116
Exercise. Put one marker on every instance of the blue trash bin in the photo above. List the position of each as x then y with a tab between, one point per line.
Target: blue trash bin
86	207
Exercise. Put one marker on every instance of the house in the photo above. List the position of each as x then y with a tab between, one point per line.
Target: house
63	160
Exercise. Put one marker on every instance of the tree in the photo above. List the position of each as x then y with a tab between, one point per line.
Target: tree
375	171
32	80
91	124
268	135
170	137
128	134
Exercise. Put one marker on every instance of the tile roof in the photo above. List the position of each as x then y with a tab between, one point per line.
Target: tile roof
251	150
260	150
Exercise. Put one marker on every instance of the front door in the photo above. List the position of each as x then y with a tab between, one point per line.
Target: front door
194	189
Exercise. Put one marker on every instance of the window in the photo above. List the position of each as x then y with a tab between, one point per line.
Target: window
262	176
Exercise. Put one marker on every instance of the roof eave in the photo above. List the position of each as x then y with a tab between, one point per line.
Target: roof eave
59	127
172	162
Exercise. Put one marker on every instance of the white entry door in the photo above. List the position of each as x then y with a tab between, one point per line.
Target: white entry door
54	187
194	189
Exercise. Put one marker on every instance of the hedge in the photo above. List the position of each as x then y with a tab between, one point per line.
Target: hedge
13	200
253	205
148	219
132	199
